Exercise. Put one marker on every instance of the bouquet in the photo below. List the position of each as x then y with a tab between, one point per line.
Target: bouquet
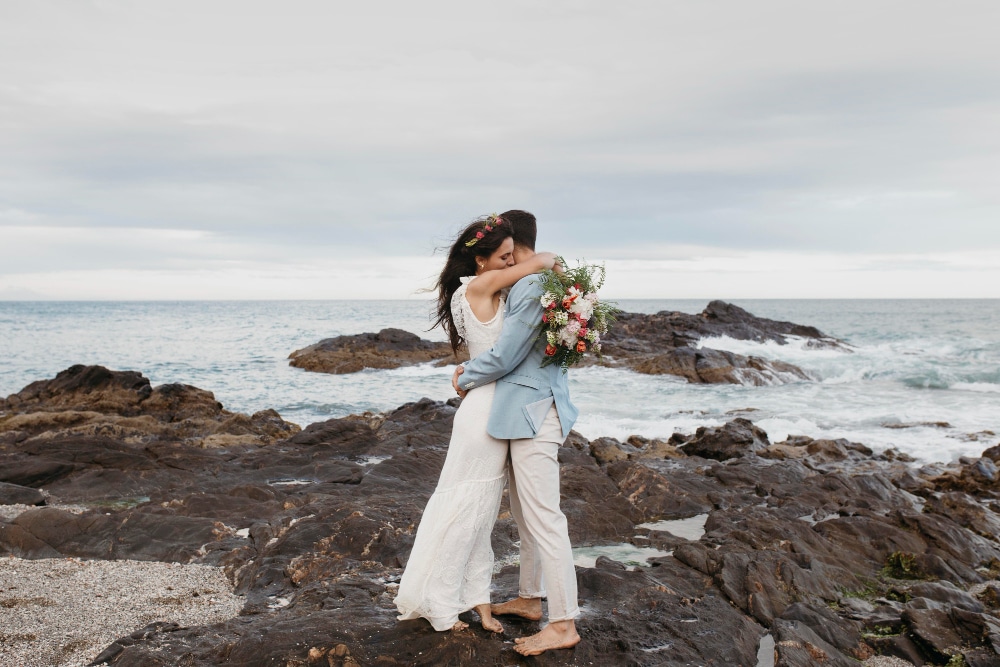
574	319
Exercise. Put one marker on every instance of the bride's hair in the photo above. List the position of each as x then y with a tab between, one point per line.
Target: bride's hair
473	242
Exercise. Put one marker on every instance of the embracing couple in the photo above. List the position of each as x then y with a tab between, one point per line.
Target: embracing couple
514	416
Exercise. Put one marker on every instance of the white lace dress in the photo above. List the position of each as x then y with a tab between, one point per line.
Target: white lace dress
451	565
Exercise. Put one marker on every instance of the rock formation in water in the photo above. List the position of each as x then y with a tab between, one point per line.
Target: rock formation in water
665	343
389	348
122	405
837	552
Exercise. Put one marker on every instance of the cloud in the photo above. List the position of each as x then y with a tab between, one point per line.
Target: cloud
317	130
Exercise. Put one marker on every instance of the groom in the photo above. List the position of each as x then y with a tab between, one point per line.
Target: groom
532	409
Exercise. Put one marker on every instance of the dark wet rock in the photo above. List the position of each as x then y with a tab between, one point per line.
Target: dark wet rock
14	494
820	543
93	401
797	644
119	645
389	348
977	477
947	595
708	366
665	343
736	439
838	632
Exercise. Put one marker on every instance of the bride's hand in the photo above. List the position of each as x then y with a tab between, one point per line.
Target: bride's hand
548	259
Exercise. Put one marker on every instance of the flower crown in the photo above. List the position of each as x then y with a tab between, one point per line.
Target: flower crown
492	221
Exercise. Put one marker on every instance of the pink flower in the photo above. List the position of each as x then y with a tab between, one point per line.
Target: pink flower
479	235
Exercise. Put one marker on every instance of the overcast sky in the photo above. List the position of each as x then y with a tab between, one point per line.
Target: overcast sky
323	149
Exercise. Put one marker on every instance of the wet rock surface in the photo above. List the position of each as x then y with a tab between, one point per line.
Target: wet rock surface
664	343
95	402
667	343
838	552
389	348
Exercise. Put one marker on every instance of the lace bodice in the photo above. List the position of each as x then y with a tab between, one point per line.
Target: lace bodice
479	336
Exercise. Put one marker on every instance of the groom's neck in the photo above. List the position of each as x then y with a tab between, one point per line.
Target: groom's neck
523	253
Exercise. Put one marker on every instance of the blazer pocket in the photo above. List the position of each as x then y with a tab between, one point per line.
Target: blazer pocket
523	380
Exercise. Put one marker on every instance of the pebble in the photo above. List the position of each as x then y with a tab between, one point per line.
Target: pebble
65	611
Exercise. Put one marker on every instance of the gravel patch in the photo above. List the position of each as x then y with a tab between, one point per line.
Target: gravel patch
65	611
886	661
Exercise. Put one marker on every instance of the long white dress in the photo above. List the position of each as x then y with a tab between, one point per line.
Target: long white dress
451	565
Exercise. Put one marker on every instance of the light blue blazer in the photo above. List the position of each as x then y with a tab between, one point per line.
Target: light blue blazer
524	391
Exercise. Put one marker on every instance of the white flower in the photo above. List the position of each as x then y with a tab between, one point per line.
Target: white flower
551	337
547	299
594	337
566	338
560	318
583	308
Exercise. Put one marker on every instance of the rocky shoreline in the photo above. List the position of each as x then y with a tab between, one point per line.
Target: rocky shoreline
835	553
664	343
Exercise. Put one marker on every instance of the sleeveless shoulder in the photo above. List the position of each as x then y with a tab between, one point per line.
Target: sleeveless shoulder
479	336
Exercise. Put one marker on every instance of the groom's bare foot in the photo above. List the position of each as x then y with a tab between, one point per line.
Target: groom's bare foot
561	634
529	608
486	618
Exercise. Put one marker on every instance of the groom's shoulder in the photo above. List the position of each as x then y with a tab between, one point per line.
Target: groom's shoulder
526	286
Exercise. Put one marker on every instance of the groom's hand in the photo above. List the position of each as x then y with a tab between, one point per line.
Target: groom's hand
454	381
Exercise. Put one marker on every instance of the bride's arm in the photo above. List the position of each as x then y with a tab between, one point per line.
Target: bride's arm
489	283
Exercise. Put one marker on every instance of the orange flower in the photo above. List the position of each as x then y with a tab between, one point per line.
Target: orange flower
581	346
550	350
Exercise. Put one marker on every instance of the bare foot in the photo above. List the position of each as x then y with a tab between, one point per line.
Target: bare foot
486	618
529	608
459	625
561	634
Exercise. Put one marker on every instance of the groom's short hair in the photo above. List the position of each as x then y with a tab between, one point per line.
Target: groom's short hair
523	227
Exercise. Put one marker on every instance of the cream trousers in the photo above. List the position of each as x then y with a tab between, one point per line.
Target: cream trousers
547	568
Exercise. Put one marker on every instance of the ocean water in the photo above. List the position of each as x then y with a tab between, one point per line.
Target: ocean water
923	377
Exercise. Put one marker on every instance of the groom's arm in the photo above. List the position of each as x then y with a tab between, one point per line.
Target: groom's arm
516	338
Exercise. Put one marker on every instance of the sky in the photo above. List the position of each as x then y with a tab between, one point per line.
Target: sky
328	150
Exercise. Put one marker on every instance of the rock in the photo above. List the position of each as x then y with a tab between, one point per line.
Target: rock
946	595
609	450
14	494
665	343
798	645
93	401
737	438
315	528
389	348
668	343
841	634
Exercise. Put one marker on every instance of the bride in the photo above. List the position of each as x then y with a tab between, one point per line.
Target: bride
451	564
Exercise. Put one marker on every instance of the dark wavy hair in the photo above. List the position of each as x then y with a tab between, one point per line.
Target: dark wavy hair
461	262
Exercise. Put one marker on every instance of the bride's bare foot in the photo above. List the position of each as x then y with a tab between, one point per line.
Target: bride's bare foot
486	618
529	608
459	625
561	634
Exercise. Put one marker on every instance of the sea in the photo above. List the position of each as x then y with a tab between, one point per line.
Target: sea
921	376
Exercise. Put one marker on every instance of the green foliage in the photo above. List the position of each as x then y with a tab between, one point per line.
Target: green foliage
901	565
870	590
957	660
880	631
